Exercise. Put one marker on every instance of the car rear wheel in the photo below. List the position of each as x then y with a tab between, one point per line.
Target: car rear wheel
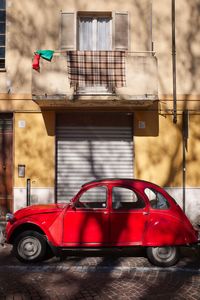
163	256
29	246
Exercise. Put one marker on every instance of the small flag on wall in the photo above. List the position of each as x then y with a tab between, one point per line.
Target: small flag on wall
45	54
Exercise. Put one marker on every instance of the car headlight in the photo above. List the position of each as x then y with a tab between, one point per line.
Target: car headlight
10	217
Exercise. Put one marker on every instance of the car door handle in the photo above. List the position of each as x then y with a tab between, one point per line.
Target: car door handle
105	212
145	213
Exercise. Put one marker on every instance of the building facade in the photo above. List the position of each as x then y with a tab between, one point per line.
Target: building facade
103	105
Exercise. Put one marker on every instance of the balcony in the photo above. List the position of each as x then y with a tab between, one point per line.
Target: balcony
53	87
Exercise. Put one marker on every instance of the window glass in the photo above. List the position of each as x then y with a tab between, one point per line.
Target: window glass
2	40
2	32
2	4
94	33
93	198
125	198
157	200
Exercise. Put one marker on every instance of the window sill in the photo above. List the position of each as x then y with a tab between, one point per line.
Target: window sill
2	70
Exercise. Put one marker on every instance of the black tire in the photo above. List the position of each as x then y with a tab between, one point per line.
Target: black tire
163	256
29	246
49	253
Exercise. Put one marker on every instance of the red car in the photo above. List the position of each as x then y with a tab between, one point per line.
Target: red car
107	213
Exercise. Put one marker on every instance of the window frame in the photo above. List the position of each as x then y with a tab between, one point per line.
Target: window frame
3	36
94	18
92	208
136	192
69	33
156	192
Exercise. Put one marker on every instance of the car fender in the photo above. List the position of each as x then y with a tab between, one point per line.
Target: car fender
164	229
26	223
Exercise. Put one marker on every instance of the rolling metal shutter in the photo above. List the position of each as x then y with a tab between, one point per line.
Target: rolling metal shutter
86	153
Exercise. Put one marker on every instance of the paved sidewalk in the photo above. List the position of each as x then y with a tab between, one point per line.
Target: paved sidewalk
96	276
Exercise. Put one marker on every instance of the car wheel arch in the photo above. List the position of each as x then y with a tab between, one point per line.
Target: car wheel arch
24	227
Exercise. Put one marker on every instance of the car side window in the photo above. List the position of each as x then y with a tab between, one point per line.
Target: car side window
126	198
157	200
93	198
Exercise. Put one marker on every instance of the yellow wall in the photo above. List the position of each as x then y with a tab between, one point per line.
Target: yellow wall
35	147
159	159
193	153
158	152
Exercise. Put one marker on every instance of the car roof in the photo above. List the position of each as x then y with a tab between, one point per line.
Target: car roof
106	180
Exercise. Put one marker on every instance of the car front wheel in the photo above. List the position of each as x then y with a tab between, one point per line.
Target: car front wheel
30	246
163	256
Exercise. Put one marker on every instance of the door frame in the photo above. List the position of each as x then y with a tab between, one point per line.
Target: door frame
10	115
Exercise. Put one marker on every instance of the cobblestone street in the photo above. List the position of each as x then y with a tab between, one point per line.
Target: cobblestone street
90	276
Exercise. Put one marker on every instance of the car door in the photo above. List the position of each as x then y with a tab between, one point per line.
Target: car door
128	216
86	222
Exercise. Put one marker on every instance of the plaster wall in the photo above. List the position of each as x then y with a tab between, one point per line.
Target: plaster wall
34	147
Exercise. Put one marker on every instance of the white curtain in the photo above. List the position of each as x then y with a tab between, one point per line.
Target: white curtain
103	34
85	34
95	33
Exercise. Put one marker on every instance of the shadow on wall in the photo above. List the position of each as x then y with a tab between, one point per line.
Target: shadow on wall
29	33
187	51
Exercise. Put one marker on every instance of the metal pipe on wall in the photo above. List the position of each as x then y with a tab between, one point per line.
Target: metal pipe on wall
173	8
28	192
185	135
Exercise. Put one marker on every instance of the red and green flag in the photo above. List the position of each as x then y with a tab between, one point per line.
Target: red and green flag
45	54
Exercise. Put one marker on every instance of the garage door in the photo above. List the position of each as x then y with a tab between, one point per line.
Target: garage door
92	146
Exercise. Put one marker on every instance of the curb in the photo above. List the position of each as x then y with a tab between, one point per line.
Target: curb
92	269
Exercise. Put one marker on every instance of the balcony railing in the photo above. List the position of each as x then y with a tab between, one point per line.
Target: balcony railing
52	84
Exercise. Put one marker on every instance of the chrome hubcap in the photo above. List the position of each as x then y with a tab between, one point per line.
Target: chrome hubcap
29	248
164	253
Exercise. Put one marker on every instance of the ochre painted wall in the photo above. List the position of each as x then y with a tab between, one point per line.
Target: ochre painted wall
160	159
35	147
193	153
157	158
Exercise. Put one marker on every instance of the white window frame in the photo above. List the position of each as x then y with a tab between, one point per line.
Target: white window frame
94	30
95	90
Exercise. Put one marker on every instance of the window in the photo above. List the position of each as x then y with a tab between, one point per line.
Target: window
93	198
157	200
125	198
95	33
2	32
113	25
99	31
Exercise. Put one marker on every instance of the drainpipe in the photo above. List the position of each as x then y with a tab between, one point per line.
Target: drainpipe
151	28
28	192
174	61
185	134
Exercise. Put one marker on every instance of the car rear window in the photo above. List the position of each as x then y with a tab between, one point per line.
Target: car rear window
156	199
